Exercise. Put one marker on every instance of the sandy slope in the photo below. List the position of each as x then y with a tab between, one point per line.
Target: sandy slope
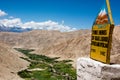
10	63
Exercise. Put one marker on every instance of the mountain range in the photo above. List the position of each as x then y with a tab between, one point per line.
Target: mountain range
13	29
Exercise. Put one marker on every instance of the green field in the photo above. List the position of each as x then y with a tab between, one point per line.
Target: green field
45	68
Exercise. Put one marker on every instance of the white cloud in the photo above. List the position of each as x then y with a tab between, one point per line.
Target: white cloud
2	13
47	25
11	22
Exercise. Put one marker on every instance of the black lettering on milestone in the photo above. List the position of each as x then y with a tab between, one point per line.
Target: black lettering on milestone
104	45
97	38
103	32
95	32
92	37
104	39
102	53
93	50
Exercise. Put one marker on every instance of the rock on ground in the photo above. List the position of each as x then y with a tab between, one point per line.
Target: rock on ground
88	69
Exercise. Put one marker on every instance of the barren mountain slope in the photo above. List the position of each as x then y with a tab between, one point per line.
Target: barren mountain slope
70	49
10	63
80	46
67	45
38	38
115	57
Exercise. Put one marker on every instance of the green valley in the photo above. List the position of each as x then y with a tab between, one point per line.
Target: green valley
45	68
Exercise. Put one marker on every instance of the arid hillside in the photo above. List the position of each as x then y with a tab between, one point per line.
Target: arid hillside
49	42
10	63
67	45
115	58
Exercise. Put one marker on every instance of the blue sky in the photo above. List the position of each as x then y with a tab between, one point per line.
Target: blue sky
78	14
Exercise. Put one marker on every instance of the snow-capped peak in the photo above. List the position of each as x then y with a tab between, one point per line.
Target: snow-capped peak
102	12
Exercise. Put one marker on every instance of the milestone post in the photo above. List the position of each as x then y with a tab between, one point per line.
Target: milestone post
101	38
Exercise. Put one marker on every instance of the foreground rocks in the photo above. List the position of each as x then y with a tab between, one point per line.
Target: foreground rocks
88	69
